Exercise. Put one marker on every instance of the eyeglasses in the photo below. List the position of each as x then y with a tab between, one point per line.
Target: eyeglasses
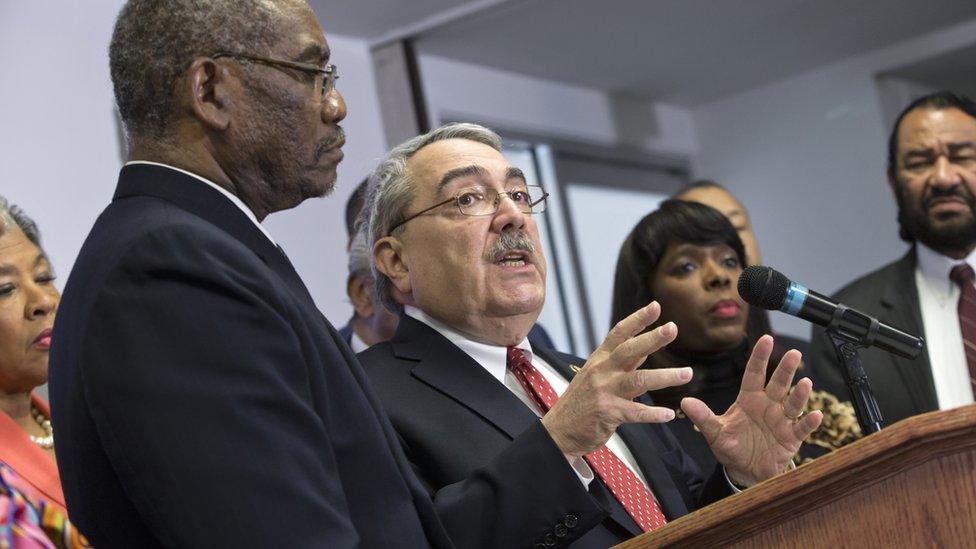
530	199
329	74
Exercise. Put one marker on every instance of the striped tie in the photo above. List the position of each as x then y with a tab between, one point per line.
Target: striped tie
963	276
622	482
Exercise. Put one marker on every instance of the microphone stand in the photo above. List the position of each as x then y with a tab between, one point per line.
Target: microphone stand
847	346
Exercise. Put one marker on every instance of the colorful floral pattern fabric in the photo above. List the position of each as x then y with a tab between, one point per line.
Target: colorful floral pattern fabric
26	523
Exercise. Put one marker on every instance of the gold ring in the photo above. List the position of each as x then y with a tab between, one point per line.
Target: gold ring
794	419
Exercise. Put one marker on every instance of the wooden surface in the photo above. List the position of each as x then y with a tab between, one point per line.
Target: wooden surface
910	485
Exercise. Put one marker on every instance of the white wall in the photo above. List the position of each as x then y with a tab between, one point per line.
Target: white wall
60	146
807	158
456	91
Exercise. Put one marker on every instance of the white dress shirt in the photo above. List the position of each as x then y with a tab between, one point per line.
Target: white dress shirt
230	196
356	343
938	298
494	359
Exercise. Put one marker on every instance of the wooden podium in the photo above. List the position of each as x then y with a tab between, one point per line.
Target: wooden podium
912	484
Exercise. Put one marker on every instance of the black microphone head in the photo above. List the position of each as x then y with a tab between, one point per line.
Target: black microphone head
763	287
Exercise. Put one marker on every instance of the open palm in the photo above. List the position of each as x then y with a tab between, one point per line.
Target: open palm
758	435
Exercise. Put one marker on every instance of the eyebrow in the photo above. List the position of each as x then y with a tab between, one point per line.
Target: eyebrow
458	173
691	248
476	172
686	248
928	152
315	52
514	173
9	269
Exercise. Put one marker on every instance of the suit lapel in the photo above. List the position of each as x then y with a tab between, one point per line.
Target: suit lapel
445	367
902	310
640	443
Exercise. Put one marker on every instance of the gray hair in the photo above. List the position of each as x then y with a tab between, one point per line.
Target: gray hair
390	192
359	258
13	216
155	41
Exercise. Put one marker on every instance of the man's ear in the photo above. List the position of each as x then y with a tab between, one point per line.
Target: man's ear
207	91
389	259
359	295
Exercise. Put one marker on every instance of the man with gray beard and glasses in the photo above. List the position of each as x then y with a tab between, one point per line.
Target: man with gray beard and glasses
929	291
456	251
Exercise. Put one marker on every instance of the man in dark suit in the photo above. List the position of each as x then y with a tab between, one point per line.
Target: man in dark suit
932	172
200	398
456	248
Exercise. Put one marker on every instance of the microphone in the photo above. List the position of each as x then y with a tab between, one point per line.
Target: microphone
767	288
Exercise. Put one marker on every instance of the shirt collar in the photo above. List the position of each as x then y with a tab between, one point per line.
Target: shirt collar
935	267
493	358
230	196
356	343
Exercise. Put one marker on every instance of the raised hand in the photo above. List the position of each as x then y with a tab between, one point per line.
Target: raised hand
600	397
758	435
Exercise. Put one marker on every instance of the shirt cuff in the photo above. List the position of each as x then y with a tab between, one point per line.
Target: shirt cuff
736	488
582	470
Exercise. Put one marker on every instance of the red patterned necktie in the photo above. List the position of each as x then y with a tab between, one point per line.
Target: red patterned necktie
963	276
622	482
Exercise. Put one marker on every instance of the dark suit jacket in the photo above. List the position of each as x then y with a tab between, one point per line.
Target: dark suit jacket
200	398
538	336
902	387
346	333
497	478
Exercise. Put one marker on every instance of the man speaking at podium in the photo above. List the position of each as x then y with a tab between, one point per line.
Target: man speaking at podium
928	292
456	248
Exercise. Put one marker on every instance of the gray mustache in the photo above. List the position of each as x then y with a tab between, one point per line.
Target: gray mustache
509	241
330	142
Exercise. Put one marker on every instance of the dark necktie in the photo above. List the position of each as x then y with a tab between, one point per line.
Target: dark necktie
622	482
963	276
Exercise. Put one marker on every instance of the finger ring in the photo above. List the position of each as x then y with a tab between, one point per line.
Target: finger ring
794	419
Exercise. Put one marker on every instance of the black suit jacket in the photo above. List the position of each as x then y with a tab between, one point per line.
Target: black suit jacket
497	478
346	333
200	398
902	387
538	336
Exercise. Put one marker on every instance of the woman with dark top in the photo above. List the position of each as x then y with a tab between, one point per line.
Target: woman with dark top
688	257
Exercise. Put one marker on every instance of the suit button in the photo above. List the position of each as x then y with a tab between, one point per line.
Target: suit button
561	530
540	546
571	521
550	540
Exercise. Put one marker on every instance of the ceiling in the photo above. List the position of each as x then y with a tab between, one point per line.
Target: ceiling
954	70
372	19
686	52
